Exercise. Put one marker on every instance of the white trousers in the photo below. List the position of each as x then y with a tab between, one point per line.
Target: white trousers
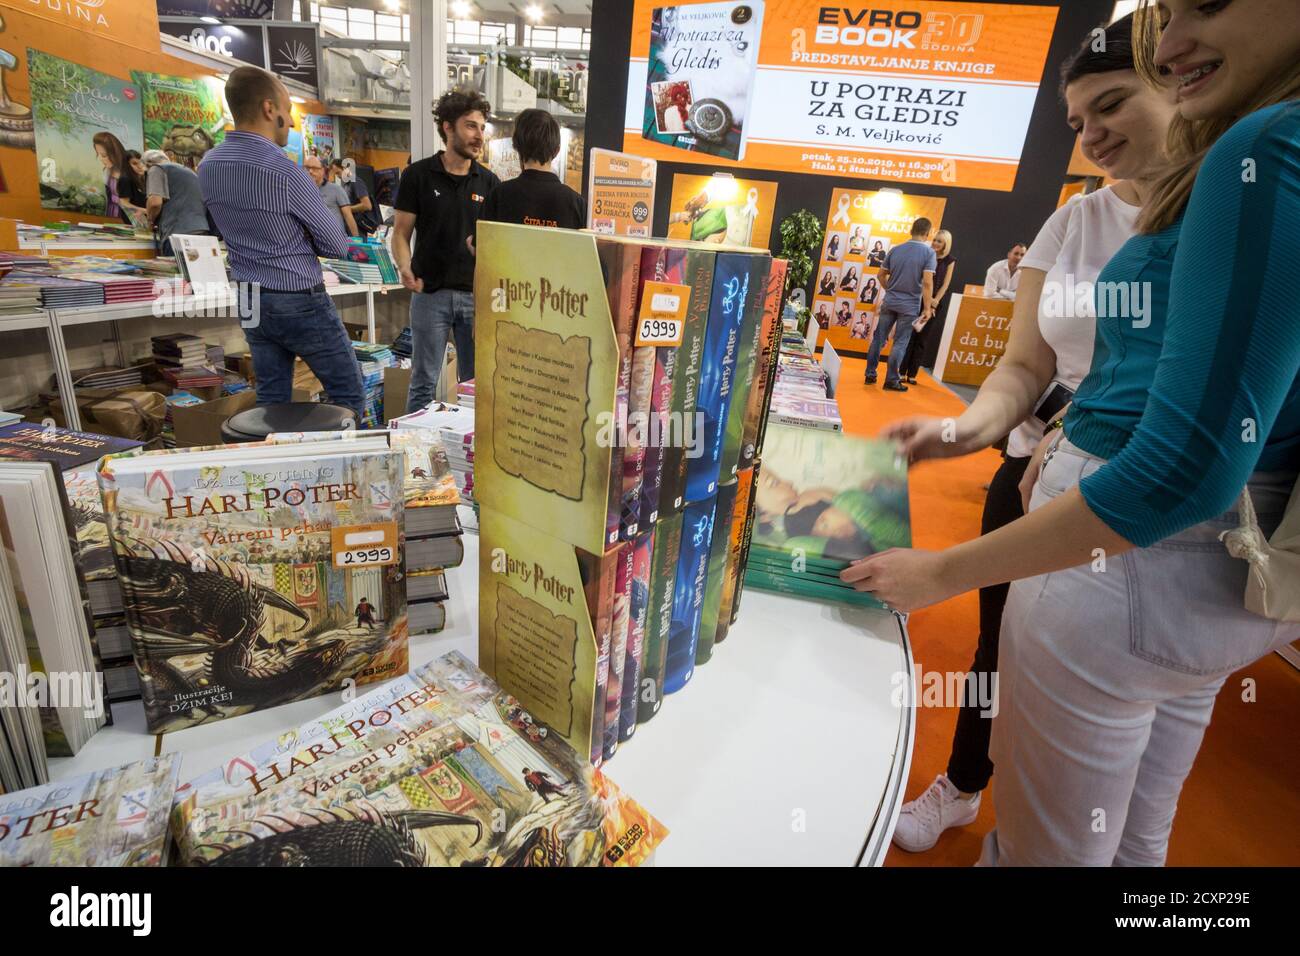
1108	674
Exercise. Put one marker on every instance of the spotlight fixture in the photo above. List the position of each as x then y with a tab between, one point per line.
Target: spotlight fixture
461	9
534	12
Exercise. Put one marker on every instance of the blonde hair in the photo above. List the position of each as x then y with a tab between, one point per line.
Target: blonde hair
1189	141
944	236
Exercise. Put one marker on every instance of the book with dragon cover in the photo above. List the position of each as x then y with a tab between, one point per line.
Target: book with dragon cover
114	817
438	768
700	77
257	575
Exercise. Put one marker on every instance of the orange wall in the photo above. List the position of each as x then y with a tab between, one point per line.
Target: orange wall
382	158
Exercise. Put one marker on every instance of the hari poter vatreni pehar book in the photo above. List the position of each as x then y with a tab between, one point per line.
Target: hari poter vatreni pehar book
438	768
257	575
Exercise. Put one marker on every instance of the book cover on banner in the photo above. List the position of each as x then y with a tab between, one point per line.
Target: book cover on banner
547	368
734	290
622	267
622	630
599	573
751	333
760	396
724	505
701	73
688	594
643	557
242	585
825	499
113	817
442	767
659	616
686	439
735	542
536	636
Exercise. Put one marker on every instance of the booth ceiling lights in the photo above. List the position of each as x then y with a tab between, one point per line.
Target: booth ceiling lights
534	12
461	9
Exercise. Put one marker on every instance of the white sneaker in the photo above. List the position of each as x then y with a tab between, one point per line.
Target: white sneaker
921	821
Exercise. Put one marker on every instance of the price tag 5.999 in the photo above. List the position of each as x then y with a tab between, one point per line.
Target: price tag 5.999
364	545
662	320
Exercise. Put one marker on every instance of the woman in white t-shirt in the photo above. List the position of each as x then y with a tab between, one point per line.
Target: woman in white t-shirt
1121	124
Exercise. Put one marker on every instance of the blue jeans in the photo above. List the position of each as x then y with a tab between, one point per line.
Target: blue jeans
888	319
434	317
290	324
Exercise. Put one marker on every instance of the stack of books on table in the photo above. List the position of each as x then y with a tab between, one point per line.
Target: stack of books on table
465	393
108	377
361	273
58	292
160	268
432	530
828	500
119	287
807	412
454	425
22	260
179	350
373	360
402	344
18	297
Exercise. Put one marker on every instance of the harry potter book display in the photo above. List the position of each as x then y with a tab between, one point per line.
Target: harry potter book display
584	473
257	575
438	768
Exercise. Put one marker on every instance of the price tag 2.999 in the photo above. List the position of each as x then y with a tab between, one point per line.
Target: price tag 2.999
662	320
364	545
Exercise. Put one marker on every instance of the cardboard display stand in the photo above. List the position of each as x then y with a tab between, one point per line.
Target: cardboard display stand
555	341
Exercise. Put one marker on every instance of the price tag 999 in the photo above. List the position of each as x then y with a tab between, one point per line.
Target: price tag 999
662	320
364	545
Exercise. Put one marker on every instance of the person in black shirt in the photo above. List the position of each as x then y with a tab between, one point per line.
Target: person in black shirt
440	199
536	197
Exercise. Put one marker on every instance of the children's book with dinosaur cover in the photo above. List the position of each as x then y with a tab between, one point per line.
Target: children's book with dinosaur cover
115	817
438	768
258	575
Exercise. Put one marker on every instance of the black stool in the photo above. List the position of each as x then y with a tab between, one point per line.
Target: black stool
256	423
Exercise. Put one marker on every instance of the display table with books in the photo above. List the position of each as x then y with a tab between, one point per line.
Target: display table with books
790	753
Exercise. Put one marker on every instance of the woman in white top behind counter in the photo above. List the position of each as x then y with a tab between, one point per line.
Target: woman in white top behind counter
1122	124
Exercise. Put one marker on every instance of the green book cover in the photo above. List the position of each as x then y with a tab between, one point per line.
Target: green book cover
799	587
698	272
751	330
663	575
718	548
827	495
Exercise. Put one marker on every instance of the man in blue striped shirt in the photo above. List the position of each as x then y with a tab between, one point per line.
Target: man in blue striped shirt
275	225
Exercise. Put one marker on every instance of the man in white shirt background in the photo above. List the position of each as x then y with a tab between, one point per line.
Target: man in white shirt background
1003	277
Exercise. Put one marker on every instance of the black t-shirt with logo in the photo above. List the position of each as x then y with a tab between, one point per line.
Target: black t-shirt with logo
446	210
536	198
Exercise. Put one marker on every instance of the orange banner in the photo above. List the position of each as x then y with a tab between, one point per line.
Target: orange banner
861	227
907	90
974	339
133	23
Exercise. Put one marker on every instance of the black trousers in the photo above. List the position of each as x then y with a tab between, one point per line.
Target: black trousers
969	766
915	349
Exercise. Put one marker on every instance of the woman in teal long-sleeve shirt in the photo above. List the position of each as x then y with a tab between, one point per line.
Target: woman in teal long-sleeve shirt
1126	612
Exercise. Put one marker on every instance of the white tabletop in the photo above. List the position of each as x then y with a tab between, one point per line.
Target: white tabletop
785	749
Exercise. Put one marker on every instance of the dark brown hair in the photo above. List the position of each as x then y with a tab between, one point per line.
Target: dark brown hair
537	136
115	150
454	104
247	89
